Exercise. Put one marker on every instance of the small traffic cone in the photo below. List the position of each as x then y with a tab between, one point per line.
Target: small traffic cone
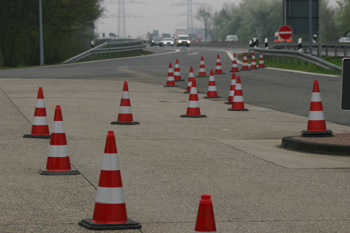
202	72
40	127
232	89
238	102
261	60
190	77
234	67
253	63
125	114
193	104
58	162
316	126
212	93
177	73
110	209
218	68
170	80
245	62
205	217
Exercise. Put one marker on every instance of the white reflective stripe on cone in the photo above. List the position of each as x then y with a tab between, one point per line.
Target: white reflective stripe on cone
211	88
316	97
316	115
125	110
193	104
40	121
40	103
110	195
125	95
238	87
237	98
170	70
201	69
110	162
232	93
193	90
176	73
58	127
58	151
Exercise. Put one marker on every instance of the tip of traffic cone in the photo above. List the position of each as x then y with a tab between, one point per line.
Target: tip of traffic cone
260	52
170	66
111	147
125	87
316	87
58	114
202	58
238	79
191	69
40	93
233	75
218	56
234	55
253	53
194	83
177	61
245	54
211	72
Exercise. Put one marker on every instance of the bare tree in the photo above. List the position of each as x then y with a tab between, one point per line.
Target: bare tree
204	14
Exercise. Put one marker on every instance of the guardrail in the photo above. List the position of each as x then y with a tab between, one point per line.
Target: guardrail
132	46
296	54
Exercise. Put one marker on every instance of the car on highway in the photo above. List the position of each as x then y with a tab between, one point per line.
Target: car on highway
183	40
156	40
168	41
231	38
344	40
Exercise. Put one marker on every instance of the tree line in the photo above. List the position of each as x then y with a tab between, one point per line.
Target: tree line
262	18
67	30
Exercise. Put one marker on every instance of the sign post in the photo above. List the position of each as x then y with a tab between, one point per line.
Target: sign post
345	87
285	32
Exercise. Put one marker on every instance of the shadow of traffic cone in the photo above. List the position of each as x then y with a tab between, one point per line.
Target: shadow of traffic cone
253	63
261	60
205	217
234	67
316	126
40	127
245	63
110	209
232	89
212	92
238	102
190	77
125	115
202	73
177	73
58	162
193	109
218	68
170	80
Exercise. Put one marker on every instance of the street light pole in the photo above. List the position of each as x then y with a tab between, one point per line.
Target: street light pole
41	35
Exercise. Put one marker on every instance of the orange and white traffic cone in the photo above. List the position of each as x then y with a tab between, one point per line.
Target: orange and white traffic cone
316	126
58	162
193	109
190	77
170	80
234	67
125	115
238	102
40	127
177	73
212	92
202	72
110	209
261	60
218	68
232	89
253	63
205	217
245	62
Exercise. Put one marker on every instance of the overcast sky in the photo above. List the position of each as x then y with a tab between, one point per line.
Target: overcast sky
146	15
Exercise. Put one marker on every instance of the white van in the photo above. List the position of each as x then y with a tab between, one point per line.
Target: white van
231	38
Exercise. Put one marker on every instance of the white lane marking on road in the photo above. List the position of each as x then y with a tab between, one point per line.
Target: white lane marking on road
193	53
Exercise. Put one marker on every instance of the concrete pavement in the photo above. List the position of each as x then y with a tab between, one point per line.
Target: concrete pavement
166	162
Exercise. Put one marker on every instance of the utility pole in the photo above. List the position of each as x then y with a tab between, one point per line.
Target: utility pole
41	34
121	19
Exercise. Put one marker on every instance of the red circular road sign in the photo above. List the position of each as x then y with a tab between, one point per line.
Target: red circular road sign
285	32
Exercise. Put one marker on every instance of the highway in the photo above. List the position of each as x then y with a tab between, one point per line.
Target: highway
284	91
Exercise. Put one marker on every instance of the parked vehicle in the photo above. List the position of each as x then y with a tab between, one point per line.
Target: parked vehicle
231	38
344	40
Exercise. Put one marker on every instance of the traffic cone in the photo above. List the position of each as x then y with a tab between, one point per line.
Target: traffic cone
40	127
170	80
238	102
245	62
125	114
202	72
316	126
177	73
261	60
189	84
110	209
218	68
234	67
193	104
58	162
253	63
212	93
205	217
232	89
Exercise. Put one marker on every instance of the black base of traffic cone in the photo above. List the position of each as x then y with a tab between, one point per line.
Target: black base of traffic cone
42	171
87	223
231	109
219	73
194	116
326	133
170	86
125	123
208	97
36	136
